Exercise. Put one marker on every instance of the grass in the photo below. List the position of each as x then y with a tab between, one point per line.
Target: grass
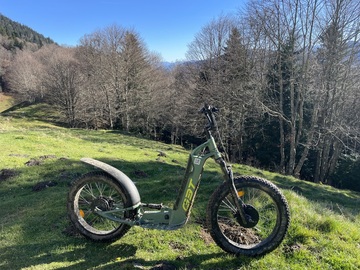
35	232
5	102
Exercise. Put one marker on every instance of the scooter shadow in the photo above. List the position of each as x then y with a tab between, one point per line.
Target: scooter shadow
127	260
197	261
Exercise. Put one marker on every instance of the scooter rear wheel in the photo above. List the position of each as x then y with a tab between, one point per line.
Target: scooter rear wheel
94	192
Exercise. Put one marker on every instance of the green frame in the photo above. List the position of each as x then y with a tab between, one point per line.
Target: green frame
173	218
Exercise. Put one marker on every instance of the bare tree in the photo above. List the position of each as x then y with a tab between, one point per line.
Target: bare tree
98	108
288	34
205	55
63	82
123	73
337	59
311	47
151	96
105	46
24	76
177	100
207	50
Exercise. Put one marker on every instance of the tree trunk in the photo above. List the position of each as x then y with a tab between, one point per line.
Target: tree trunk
308	143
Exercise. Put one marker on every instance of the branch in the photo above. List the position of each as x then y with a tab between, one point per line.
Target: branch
273	113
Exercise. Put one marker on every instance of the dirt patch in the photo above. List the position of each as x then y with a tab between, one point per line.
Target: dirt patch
43	185
164	266
177	246
38	161
205	235
47	156
239	234
291	248
5	174
33	162
140	174
18	155
162	154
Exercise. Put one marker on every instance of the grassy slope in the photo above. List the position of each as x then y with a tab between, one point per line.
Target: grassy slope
5	102
35	232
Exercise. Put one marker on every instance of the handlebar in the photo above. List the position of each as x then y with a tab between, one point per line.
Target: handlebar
208	110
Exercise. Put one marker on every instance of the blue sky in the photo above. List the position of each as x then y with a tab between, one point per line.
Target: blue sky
167	27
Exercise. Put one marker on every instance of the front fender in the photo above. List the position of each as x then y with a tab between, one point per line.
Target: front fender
121	177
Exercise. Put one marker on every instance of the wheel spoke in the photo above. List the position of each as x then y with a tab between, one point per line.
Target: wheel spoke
227	205
84	201
88	190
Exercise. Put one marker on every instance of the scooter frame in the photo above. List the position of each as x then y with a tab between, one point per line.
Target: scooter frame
164	217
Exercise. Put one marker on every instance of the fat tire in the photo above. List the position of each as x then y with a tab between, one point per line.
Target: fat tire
97	177
259	246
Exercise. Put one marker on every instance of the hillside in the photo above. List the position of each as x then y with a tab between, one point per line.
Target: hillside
15	36
40	159
18	34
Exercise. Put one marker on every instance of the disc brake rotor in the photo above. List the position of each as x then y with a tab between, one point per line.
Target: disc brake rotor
101	203
251	215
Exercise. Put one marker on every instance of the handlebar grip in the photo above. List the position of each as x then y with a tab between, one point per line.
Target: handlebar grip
214	109
208	108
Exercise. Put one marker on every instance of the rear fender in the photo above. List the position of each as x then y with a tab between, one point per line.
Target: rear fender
122	178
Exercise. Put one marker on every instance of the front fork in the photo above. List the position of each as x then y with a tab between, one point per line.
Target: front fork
229	177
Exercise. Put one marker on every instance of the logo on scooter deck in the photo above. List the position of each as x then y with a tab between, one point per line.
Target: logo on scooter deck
188	196
197	161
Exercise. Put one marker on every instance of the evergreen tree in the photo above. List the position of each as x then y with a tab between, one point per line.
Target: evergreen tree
20	34
133	65
281	102
237	98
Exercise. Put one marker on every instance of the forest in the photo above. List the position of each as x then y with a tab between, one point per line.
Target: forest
284	74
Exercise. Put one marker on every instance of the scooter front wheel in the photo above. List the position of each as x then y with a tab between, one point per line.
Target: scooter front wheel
94	192
266	209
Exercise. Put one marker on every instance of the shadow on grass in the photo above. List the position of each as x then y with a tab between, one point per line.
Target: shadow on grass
34	111
91	255
34	222
104	256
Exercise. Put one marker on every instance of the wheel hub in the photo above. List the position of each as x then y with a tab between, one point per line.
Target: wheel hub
251	216
101	203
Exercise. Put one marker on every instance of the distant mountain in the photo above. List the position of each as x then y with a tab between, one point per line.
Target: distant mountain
20	34
168	65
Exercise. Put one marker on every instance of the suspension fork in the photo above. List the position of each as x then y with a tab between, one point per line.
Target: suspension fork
229	177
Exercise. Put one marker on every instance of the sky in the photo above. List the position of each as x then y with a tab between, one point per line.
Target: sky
166	27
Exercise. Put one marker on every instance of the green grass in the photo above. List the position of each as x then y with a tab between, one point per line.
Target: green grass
35	232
